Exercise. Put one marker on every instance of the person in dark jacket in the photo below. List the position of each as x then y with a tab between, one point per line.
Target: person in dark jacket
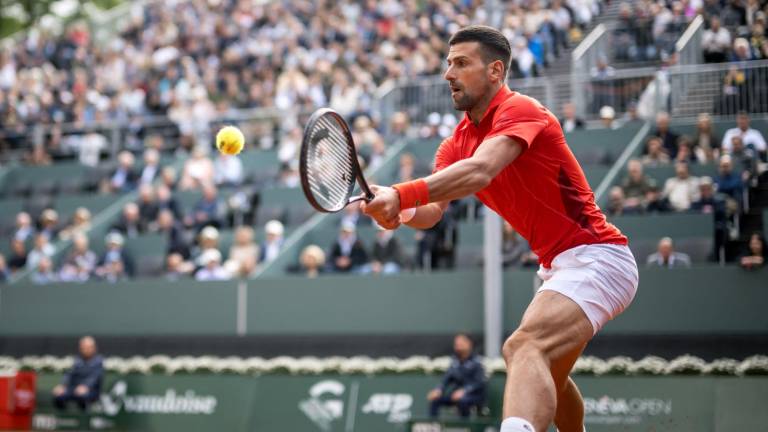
387	255
82	384
348	253
464	384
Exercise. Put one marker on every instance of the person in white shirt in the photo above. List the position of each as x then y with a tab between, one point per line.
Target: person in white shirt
213	270
749	136
151	166
716	42
228	170
681	190
271	246
666	257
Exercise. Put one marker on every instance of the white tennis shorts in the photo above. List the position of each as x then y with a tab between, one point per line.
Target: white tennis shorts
601	278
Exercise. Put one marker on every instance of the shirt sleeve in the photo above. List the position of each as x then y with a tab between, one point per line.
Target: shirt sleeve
446	154
520	119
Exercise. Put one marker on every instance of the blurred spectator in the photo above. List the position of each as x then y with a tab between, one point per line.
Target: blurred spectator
18	257
151	167
148	207
5	273
352	215
515	251
602	84
754	257
716	42
682	189
432	126
24	228
636	185
80	261
228	170
168	177
124	178
176	238
655	155
608	117
166	201
81	223
742	51
198	171
49	223
463	384
733	13
386	254
289	175
706	142
364	133
399	125
38	157
42	248
116	263
744	160
243	254
709	202
615	201
666	257
208	239
668	137
569	122
654	202
270	249
176	268
436	247
42	272
129	224
212	269
750	137
82	384
312	260
685	150
348	253
729	182
208	210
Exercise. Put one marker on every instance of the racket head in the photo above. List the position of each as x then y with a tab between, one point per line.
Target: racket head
328	164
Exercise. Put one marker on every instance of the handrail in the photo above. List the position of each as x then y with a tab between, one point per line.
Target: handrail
588	41
689	33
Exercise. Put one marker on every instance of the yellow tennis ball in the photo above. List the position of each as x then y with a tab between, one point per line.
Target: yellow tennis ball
230	140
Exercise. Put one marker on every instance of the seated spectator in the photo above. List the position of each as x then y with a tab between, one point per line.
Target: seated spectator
348	253
399	126
208	210
716	42
124	178
270	249
177	239
116	263
685	150
198	171
636	185
750	137
80	261
754	257
176	268
666	257
515	251
148	208
351	214
208	239
706	143
151	167
288	177
386	254
212	269
615	201
682	189
436	247
655	155
42	248
668	137
82	384
729	182
168	177
654	202
744	160
569	122
81	223
608	117
312	261
243	254
228	170
49	223
129	224
165	201
18	258
43	272
464	383
5	273
24	228
709	202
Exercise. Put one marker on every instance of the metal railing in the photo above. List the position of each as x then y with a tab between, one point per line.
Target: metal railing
583	58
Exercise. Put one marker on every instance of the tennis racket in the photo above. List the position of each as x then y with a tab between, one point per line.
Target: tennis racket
328	163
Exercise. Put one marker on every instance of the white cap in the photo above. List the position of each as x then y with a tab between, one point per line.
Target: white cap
114	238
209	232
210	255
434	119
607	112
274	227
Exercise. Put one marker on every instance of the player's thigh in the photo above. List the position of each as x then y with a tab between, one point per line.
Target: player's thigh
556	325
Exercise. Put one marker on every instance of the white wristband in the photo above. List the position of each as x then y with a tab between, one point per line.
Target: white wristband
407	214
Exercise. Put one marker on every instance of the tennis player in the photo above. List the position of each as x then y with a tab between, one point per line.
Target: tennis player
511	153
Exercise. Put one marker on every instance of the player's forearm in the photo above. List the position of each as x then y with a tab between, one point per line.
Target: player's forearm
459	180
426	216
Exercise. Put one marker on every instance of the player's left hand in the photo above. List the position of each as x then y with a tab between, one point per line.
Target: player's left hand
384	208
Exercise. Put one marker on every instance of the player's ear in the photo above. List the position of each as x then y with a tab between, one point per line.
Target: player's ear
496	70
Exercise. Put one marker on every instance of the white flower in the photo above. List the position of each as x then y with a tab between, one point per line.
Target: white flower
722	367
617	366
588	365
755	365
650	365
686	365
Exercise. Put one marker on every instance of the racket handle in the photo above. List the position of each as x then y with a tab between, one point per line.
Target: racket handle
362	197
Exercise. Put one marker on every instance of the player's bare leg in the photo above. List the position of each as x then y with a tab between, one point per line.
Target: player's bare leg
540	355
569	415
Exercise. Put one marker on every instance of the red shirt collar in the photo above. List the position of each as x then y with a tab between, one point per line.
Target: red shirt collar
500	97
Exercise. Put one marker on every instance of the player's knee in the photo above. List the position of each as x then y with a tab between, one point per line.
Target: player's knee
520	344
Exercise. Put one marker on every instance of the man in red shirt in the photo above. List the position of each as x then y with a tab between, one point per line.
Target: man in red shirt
511	153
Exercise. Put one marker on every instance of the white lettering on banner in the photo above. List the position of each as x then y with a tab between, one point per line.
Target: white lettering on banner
397	406
171	402
323	412
608	410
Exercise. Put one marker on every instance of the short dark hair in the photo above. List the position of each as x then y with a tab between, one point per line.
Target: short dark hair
495	45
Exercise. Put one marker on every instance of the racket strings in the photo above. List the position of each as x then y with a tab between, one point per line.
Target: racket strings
330	166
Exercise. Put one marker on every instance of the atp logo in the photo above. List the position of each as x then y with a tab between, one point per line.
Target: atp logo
324	404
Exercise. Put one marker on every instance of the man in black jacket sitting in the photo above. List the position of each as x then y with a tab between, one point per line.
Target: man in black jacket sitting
82	384
464	383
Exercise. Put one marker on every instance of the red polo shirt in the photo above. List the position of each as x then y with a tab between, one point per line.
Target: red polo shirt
543	193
